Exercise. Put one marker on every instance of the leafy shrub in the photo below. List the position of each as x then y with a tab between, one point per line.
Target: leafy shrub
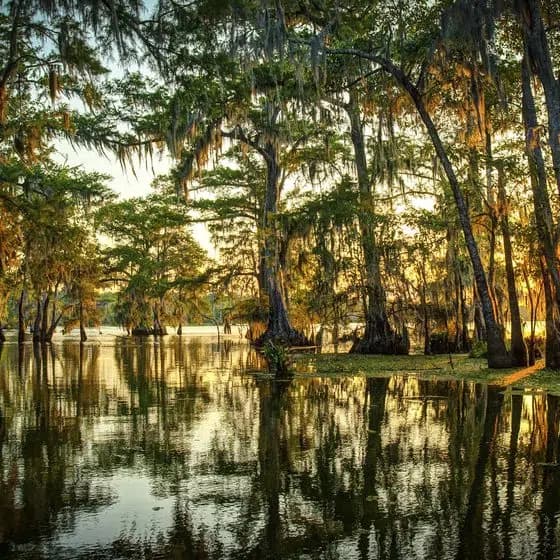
479	350
277	357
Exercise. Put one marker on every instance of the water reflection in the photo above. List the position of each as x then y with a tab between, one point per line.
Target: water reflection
171	449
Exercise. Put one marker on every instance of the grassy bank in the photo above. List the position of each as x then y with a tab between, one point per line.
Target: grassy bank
428	367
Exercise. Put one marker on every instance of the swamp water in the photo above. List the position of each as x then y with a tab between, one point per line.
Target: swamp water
130	448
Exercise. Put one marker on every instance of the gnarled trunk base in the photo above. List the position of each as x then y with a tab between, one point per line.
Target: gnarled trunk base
278	329
290	337
498	356
380	338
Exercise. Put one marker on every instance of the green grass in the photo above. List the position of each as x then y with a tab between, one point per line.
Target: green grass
545	380
427	367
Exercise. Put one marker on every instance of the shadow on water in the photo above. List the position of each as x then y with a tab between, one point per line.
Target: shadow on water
179	448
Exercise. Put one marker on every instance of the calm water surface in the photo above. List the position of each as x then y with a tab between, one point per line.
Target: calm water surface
180	449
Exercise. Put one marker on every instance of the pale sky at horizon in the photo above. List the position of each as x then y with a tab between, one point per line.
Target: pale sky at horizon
125	182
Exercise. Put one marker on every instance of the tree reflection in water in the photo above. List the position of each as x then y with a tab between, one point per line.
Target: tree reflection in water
176	448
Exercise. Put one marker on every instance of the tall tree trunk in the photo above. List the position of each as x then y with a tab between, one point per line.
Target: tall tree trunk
534	302
158	328
47	337
518	347
543	218
552	325
83	335
538	53
45	318
479	328
21	318
38	321
498	355
492	227
465	341
379	337
278	327
425	315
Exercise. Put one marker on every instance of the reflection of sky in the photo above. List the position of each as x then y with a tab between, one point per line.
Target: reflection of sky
201	452
131	514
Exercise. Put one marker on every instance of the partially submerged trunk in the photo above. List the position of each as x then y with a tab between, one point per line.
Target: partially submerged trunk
21	318
278	327
379	336
158	329
45	318
83	335
48	335
38	321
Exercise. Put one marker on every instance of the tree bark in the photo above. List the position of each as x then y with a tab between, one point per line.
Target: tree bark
47	337
518	347
543	218
465	341
45	318
158	328
38	321
538	53
21	318
83	335
379	337
479	328
425	315
492	227
552	324
278	326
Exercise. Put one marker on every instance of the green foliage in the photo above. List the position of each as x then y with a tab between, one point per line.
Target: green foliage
154	260
277	357
479	350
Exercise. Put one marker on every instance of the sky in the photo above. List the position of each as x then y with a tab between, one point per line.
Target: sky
126	183
123	182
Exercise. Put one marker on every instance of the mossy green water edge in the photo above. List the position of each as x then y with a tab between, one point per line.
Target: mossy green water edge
457	366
